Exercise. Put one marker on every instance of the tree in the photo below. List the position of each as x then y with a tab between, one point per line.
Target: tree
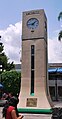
4	60
11	81
60	16
60	33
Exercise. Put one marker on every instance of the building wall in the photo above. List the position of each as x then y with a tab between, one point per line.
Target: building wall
55	81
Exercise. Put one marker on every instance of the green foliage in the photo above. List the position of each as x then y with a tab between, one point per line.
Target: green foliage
1	47
60	36
11	81
60	16
10	66
4	60
60	33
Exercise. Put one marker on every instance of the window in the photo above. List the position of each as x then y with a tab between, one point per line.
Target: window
32	68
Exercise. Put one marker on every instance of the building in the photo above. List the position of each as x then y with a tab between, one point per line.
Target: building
55	80
18	67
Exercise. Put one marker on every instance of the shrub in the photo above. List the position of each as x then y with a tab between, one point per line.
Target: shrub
11	81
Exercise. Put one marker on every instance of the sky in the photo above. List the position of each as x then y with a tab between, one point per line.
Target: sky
11	27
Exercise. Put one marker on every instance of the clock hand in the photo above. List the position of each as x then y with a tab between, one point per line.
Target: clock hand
33	23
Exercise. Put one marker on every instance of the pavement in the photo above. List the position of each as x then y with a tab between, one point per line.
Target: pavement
57	104
1	113
36	116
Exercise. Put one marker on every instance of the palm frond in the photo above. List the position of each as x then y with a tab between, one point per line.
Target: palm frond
60	36
60	16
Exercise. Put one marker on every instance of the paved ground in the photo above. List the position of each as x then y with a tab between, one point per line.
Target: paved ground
1	113
36	116
57	104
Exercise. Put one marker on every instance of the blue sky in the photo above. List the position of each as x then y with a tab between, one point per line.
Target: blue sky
11	26
11	11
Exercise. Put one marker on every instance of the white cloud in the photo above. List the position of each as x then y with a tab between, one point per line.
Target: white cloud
54	51
11	38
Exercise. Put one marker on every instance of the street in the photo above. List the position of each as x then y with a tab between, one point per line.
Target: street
30	116
36	116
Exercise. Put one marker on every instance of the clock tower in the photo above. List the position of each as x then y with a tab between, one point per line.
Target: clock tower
34	92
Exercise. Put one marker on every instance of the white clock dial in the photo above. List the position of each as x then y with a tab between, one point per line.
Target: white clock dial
32	23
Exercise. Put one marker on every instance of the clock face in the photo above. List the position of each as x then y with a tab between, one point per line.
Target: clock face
32	23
